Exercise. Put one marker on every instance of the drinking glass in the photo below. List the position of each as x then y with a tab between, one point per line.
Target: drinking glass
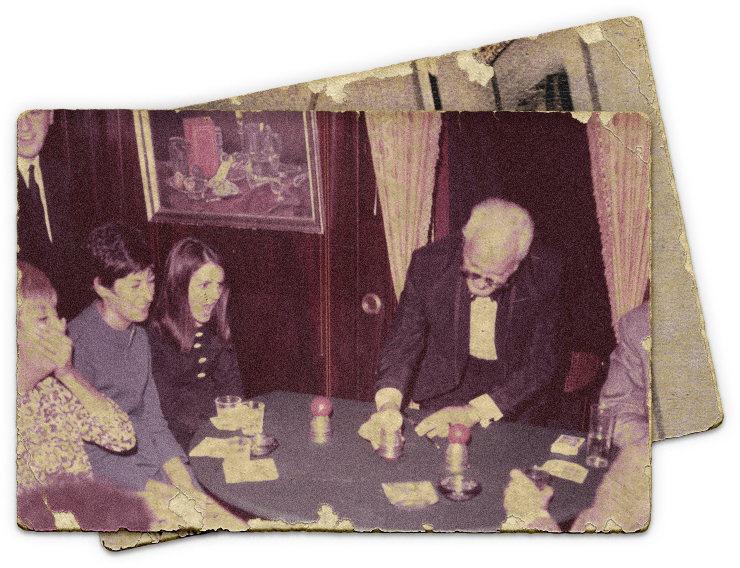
227	405
253	415
600	433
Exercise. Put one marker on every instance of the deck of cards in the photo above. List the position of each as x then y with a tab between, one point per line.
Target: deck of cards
567	445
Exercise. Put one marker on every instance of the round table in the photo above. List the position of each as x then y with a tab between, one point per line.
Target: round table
347	474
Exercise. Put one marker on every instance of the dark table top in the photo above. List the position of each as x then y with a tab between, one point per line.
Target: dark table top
347	474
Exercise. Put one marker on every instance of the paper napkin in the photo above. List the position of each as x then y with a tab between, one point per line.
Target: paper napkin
222	447
410	494
240	468
231	422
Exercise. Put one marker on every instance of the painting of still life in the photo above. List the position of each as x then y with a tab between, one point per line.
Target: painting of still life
239	169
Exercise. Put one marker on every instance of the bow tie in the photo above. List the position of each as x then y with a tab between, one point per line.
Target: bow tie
494	296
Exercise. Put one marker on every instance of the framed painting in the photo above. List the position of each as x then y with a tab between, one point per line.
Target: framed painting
256	170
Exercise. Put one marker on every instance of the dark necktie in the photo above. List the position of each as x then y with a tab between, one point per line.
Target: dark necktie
33	187
35	190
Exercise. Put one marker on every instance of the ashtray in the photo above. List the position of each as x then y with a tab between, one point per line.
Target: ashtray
262	445
458	487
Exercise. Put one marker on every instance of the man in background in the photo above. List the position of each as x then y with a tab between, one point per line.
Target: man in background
46	235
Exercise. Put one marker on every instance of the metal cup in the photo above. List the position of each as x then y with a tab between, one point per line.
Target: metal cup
456	458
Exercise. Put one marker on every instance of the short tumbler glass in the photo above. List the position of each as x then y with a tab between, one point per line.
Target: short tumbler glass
227	405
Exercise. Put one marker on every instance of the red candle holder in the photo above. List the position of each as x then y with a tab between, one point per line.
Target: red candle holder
321	406
459	434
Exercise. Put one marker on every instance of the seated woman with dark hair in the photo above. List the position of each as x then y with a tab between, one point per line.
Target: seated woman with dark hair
112	350
56	410
193	360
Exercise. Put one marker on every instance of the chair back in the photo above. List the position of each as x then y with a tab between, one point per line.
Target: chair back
583	369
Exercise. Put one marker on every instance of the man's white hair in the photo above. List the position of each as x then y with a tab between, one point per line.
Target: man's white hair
498	219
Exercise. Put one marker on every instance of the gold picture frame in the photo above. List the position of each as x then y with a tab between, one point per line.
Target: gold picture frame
242	169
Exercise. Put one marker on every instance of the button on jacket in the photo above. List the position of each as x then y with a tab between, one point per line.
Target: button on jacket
188	383
428	349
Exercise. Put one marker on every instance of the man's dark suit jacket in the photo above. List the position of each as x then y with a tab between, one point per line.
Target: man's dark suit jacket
61	259
429	342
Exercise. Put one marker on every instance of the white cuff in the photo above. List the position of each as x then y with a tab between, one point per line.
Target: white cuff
388	396
486	410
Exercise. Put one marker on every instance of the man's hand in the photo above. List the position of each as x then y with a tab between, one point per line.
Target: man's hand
438	424
522	499
389	420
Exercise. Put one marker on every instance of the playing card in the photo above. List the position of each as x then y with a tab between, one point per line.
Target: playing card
566	470
567	445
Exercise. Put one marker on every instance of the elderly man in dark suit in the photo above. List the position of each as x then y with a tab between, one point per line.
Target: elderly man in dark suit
475	336
46	236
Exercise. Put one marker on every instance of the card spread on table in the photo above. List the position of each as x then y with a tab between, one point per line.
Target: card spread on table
566	470
240	468
232	422
222	447
567	445
410	494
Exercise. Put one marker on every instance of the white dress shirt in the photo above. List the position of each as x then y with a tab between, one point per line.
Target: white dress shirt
483	328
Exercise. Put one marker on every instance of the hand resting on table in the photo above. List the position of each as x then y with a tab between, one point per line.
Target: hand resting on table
438	424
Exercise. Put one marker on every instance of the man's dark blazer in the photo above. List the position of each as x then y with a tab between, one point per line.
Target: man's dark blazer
61	259
427	350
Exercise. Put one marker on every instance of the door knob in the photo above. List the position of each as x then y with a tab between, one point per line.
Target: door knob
371	304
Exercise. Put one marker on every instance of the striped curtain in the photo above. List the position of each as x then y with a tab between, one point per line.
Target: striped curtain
405	148
619	144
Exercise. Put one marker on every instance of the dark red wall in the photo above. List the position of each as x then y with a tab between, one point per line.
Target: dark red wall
295	300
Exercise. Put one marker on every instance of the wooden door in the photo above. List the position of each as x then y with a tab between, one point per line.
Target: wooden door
357	259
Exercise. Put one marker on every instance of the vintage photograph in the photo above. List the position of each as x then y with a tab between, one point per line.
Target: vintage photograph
395	321
241	169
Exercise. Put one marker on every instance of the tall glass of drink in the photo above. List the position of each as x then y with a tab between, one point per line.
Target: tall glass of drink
600	433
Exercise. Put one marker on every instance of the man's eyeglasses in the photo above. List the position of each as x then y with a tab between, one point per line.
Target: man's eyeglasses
476	277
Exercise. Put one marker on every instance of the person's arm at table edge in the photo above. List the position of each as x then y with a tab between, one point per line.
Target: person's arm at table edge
627	384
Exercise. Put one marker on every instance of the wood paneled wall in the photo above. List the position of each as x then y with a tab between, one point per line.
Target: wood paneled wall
295	298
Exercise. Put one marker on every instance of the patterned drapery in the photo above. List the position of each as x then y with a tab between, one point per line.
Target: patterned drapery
619	145
405	148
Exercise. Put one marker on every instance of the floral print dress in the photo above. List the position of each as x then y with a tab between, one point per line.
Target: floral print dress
52	424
